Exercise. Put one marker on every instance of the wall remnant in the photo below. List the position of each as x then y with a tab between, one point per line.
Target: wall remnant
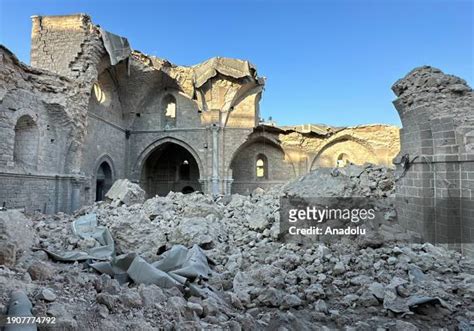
436	160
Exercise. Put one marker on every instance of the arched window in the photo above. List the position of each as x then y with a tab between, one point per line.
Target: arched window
99	94
25	147
261	166
169	111
342	160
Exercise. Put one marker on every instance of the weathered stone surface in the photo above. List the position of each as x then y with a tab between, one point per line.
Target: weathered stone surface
127	192
437	117
46	295
7	254
16	236
40	271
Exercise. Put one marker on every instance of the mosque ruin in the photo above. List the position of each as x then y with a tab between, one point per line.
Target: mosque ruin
90	110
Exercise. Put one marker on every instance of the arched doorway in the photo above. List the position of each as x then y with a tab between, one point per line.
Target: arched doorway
170	167
103	181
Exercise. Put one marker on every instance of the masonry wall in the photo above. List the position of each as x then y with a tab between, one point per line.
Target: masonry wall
56	42
435	190
278	167
150	114
38	124
106	134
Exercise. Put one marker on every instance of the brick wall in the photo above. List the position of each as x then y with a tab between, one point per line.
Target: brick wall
56	41
279	169
32	192
435	192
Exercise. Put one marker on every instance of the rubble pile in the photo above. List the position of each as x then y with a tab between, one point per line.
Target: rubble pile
351	181
257	282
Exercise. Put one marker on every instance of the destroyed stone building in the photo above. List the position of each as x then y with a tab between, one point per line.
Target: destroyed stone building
89	110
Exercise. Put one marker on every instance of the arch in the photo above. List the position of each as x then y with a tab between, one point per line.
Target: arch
170	168
261	137
104	175
25	148
354	150
169	111
104	180
107	159
138	167
263	155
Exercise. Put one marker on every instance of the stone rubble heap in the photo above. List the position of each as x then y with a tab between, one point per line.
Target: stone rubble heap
257	283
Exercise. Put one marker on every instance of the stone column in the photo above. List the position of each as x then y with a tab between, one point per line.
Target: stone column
77	185
215	179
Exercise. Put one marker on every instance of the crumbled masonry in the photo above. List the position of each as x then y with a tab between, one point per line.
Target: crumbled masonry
255	282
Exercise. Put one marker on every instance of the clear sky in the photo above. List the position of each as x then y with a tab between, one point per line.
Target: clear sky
327	62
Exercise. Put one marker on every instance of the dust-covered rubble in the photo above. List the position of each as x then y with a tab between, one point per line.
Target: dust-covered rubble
257	282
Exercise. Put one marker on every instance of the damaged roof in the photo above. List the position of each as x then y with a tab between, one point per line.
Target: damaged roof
226	66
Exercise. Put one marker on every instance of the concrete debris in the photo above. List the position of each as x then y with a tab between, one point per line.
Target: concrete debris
250	279
126	192
46	295
16	236
350	181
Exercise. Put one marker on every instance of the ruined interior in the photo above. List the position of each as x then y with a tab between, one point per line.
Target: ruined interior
139	194
170	168
124	108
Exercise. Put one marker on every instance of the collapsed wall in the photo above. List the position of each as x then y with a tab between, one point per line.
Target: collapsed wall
436	160
42	119
44	113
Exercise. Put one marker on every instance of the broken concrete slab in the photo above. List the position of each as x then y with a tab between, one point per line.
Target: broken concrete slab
126	192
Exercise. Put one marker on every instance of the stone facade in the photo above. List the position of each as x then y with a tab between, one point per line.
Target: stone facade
436	161
73	122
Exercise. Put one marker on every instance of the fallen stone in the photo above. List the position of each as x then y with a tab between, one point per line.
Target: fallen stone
151	295
46	295
126	192
321	306
196	308
40	271
131	299
339	268
7	254
107	299
15	230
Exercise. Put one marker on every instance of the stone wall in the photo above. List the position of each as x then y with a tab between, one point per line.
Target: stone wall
40	118
436	160
43	193
277	167
61	122
56	42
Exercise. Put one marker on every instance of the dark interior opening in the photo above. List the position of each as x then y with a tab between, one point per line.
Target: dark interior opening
170	167
187	190
103	181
